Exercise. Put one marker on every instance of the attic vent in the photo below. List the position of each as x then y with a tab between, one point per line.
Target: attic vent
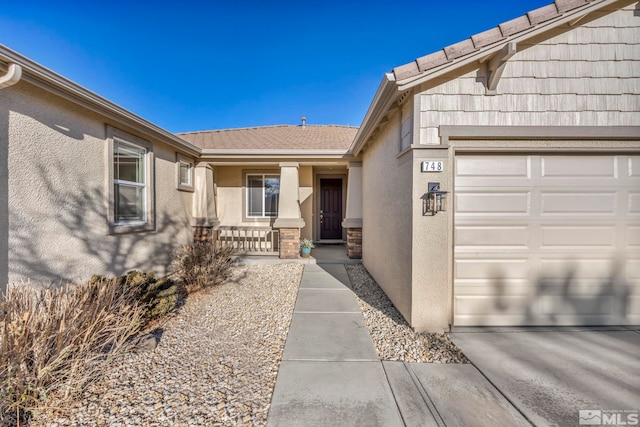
403	97
304	121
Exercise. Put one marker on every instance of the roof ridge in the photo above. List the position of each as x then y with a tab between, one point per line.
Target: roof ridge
264	127
495	34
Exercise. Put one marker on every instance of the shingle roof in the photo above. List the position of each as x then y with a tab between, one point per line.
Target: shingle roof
287	137
478	41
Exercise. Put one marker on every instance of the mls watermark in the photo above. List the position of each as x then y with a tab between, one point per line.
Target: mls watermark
604	417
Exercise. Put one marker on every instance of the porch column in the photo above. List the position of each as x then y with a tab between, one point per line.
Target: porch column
353	218
289	221
204	216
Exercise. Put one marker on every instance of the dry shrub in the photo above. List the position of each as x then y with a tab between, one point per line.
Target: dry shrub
159	296
53	342
202	265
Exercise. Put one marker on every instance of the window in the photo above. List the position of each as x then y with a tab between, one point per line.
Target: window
263	193
130	183
406	124
184	171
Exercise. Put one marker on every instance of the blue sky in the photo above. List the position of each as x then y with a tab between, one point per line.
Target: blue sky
189	66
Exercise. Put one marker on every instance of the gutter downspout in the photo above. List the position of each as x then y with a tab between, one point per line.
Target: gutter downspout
13	76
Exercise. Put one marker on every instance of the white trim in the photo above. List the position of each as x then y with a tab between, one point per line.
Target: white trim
263	175
148	224
184	160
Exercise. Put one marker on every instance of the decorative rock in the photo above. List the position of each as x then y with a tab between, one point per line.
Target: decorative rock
147	342
215	365
391	334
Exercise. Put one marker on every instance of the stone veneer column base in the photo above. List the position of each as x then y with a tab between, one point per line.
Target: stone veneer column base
354	243
202	234
289	240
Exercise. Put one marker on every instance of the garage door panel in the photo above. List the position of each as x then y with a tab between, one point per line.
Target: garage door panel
633	238
487	306
573	167
570	270
583	305
546	249
496	204
578	204
568	236
481	167
517	237
633	168
633	271
489	287
492	269
634	203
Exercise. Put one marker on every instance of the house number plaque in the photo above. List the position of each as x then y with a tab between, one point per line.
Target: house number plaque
432	166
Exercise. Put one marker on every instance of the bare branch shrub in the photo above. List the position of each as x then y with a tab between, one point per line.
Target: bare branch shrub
202	265
53	342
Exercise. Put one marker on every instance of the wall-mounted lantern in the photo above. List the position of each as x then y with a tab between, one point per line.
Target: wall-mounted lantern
436	199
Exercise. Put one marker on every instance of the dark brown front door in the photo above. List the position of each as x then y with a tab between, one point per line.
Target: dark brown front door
330	209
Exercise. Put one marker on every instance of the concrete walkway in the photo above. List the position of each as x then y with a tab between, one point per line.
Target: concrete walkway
331	374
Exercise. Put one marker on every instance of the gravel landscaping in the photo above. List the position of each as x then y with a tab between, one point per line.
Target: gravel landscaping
216	362
392	336
217	358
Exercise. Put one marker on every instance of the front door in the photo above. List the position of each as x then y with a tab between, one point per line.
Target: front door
331	209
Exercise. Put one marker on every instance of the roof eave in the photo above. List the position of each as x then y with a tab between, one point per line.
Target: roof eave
384	97
566	17
50	81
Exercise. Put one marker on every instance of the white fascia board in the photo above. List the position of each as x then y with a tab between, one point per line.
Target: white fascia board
50	81
384	97
534	31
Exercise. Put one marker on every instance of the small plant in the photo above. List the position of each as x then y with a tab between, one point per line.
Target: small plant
202	265
306	244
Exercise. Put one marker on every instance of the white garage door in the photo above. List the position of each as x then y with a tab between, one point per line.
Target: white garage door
547	240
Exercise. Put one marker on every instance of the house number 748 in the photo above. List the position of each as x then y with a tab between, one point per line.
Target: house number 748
432	166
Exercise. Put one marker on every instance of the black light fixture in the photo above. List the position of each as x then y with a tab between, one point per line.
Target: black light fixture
436	199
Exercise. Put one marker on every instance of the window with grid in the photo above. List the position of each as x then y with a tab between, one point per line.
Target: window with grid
129	182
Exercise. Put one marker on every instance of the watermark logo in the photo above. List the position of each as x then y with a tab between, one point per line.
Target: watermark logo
602	417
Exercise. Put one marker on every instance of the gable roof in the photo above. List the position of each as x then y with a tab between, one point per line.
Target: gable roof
476	48
280	137
486	38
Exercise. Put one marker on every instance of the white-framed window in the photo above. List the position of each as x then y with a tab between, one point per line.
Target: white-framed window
263	194
184	173
130	182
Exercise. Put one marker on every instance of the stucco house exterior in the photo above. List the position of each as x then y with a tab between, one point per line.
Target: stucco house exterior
494	182
534	125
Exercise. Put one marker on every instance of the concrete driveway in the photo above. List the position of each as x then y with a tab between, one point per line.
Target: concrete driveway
550	375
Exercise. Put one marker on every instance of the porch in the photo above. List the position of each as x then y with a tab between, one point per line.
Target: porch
321	254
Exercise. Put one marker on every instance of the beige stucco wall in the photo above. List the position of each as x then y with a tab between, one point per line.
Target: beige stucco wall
387	217
431	242
586	76
230	200
56	203
306	200
4	190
